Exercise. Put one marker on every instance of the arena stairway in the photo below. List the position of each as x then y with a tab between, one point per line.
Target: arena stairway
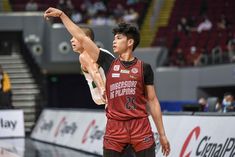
25	91
5	5
153	22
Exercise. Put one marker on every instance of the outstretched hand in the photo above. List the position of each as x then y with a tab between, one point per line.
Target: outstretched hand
52	12
165	145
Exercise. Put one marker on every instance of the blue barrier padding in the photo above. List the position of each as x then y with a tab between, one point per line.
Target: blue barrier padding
175	105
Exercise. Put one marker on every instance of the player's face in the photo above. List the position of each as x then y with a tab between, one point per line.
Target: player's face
76	45
119	43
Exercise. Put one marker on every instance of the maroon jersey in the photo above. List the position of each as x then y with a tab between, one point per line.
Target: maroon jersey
126	91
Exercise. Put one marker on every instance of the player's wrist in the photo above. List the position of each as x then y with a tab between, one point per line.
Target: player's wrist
61	13
162	135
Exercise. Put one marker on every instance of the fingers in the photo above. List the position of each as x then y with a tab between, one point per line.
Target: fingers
166	149
165	145
50	12
46	14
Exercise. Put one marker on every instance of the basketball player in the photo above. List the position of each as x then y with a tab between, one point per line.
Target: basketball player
93	73
129	88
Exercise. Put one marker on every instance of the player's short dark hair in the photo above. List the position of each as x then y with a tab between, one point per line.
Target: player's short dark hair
88	31
130	31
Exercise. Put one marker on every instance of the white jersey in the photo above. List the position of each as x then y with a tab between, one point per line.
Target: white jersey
95	93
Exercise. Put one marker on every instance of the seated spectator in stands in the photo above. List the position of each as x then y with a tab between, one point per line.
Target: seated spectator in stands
218	107
101	19
5	90
31	6
118	11
86	9
203	57
99	6
76	17
203	104
69	5
193	57
131	16
183	26
228	104
179	59
231	50
66	6
62	5
223	22
205	25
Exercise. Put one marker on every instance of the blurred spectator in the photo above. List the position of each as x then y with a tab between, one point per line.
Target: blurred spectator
193	57
92	10
131	16
179	59
203	105
102	19
228	103
66	6
223	22
69	5
218	107
31	6
205	25
76	17
203	57
183	26
99	6
62	5
5	90
87	8
118	11
231	50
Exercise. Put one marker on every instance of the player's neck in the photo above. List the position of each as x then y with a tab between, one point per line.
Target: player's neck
126	57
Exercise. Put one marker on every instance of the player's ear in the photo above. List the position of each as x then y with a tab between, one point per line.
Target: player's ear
130	42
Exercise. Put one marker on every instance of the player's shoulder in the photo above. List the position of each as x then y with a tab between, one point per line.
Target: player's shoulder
106	51
146	66
144	63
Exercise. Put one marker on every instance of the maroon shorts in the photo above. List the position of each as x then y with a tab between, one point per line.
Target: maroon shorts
136	132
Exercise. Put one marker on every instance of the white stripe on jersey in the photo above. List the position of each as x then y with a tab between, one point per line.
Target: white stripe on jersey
106	51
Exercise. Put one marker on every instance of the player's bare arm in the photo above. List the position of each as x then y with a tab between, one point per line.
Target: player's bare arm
75	31
155	111
92	68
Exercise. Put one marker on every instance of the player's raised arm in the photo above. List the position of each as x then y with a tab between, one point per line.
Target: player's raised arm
75	31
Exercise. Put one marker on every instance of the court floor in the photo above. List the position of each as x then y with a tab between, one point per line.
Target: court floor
26	147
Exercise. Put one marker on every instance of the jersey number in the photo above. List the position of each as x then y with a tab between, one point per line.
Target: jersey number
130	105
